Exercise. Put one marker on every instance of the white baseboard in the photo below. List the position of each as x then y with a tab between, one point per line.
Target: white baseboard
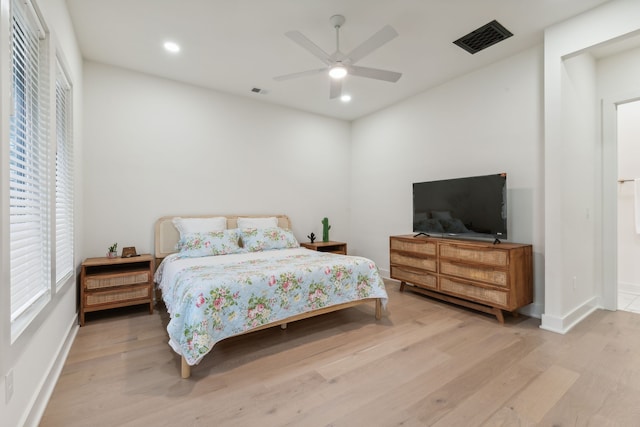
563	324
49	383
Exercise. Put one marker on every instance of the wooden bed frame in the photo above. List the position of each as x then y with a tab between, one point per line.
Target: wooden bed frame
167	236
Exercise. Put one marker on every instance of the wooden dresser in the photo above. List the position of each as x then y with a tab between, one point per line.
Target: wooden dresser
476	274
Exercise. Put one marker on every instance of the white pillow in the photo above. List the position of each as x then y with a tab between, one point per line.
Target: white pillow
199	225
269	222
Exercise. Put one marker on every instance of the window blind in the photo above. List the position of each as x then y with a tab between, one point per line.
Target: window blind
64	179
28	166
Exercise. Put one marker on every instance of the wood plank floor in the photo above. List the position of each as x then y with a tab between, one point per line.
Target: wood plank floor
425	363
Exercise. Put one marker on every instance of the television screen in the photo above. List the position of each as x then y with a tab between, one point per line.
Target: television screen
465	207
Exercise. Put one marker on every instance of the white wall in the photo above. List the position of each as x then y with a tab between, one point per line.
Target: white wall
155	147
37	355
581	179
489	121
574	156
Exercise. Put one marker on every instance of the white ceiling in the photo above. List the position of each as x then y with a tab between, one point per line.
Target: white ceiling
233	46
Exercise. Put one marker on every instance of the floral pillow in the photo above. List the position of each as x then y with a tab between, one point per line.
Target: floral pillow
210	243
264	239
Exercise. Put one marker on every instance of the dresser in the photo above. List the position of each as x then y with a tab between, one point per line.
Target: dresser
484	276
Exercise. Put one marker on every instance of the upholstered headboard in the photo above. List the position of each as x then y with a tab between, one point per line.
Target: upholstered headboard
167	235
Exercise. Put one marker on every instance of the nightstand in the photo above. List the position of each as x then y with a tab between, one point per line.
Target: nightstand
334	247
115	282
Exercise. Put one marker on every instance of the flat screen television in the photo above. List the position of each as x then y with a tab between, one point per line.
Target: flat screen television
470	207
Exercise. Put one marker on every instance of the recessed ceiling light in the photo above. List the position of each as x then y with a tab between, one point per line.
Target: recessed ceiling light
345	98
172	47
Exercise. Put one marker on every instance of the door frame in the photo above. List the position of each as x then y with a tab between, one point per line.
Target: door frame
610	186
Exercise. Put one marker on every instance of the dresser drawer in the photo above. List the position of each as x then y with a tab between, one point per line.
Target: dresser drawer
493	297
428	264
421	279
480	255
474	272
418	246
109	280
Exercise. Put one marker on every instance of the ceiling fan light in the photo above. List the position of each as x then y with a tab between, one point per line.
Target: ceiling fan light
345	98
338	72
172	47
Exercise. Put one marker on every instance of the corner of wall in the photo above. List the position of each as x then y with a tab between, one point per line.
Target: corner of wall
563	324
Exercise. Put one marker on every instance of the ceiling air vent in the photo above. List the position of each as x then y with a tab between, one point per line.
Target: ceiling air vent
483	37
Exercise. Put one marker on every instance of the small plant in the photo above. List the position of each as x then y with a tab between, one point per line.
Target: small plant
325	229
113	248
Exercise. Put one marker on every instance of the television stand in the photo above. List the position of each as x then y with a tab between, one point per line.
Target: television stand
475	274
421	234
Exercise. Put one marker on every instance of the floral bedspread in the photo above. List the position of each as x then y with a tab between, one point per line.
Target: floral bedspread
215	297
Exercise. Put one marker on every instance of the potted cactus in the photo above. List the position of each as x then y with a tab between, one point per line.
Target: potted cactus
113	251
325	229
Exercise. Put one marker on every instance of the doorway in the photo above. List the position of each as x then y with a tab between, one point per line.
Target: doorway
628	205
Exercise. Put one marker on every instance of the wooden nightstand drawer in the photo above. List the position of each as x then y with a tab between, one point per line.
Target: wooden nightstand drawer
117	296
109	280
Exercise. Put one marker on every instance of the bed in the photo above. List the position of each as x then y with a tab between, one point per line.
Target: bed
223	276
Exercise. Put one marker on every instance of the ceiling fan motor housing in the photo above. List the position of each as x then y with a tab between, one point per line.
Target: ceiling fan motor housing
337	21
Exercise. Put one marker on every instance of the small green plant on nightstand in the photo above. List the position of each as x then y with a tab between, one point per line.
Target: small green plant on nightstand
113	251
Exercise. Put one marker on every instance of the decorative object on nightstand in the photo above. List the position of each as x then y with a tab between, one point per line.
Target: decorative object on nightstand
129	252
333	247
113	251
115	282
325	229
311	237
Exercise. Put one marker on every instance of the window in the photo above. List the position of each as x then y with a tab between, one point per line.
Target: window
64	179
29	228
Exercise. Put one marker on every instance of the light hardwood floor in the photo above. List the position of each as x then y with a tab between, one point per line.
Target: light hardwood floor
425	363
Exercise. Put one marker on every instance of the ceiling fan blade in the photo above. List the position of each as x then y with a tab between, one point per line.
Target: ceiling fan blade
309	46
374	73
335	90
386	34
300	74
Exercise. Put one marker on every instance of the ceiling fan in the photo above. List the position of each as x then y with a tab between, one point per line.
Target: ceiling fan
338	65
